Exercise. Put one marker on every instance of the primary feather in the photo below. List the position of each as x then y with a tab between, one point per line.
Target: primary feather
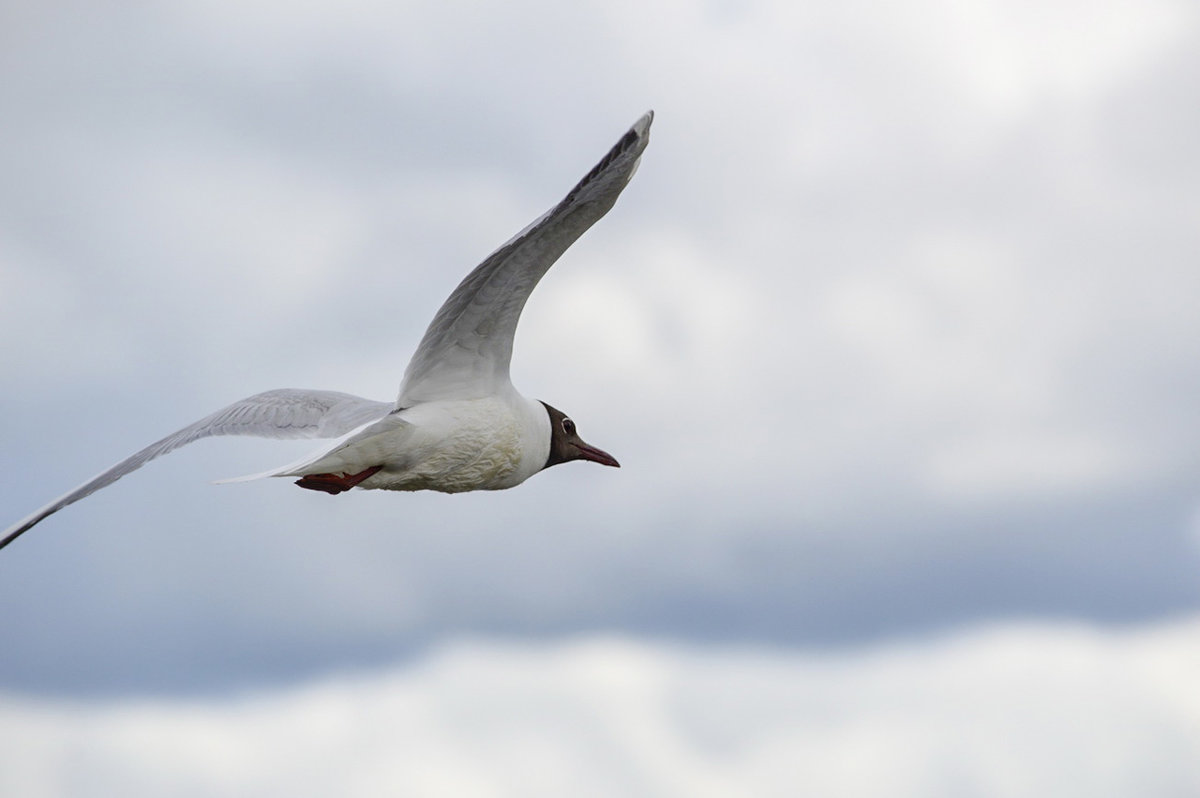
282	413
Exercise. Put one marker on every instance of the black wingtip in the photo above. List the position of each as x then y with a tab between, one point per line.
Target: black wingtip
634	140
17	531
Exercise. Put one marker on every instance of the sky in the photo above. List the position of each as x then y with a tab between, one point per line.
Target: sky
894	334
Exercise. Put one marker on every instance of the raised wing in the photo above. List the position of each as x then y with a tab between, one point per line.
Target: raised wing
466	350
284	413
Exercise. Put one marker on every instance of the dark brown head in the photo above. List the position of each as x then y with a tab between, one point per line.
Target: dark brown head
566	445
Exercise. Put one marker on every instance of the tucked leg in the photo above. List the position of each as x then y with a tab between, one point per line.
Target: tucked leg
335	483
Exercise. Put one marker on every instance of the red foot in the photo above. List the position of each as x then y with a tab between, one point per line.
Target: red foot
335	483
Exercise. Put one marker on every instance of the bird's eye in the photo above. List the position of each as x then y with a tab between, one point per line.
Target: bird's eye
568	426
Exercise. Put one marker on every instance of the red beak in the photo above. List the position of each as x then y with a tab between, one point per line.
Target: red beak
596	455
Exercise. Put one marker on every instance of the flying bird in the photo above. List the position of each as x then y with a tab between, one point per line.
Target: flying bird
458	423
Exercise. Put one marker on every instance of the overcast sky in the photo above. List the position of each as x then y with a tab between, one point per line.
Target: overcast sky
895	332
1013	711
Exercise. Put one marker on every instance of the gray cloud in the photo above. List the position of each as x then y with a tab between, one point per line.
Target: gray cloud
894	330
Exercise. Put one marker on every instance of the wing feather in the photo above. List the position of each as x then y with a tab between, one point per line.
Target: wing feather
465	353
283	413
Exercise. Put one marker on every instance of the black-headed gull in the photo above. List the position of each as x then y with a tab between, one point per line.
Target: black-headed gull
458	423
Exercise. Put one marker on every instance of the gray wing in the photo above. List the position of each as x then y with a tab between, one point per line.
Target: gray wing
284	413
466	350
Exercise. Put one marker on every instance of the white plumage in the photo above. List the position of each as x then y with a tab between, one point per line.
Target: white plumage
448	445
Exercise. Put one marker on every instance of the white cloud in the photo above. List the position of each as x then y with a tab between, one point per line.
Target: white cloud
1014	711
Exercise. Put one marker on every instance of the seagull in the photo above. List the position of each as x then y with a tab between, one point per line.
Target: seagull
458	424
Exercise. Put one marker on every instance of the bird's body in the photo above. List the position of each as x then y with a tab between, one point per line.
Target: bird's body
458	423
447	445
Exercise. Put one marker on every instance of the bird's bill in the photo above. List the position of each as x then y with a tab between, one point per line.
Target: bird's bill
600	456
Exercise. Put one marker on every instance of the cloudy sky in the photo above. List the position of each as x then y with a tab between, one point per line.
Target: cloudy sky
895	334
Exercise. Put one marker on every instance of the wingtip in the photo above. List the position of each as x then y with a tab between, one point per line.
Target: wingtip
642	126
21	527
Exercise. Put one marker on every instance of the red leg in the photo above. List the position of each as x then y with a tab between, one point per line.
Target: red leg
335	483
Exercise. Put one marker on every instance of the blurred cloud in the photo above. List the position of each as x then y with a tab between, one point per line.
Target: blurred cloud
1023	710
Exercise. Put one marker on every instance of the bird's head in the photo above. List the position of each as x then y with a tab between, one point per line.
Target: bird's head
566	445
